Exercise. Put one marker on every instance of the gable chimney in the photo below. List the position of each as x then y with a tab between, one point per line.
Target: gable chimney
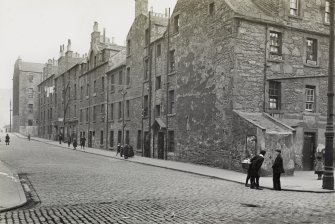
141	7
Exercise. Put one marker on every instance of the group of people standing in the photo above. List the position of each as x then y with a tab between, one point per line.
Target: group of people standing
73	141
125	151
255	165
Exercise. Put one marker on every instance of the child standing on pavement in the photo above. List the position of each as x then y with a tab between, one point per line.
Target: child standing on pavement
318	164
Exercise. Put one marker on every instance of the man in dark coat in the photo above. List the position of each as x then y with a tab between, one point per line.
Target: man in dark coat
278	169
255	166
7	139
118	149
60	137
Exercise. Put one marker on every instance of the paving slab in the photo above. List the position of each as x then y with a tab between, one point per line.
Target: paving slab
11	191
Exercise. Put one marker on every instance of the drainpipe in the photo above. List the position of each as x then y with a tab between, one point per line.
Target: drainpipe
107	111
265	66
167	88
150	84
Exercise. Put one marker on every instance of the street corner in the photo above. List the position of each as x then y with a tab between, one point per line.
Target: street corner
11	191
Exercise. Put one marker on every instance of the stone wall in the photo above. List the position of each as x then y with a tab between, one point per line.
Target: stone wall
205	61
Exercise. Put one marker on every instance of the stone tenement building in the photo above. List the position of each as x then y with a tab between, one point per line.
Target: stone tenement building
52	91
251	75
26	77
216	81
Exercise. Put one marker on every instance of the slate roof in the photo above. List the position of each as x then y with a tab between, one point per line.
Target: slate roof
117	60
32	67
250	9
264	121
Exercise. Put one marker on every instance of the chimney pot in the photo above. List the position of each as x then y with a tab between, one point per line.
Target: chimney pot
69	45
95	27
104	35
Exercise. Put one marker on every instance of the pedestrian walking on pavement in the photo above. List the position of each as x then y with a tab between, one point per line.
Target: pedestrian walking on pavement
75	144
318	164
83	140
69	140
118	149
256	164
60	137
7	139
278	169
28	137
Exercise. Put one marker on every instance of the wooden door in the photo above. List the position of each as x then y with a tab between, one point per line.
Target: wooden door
308	151
160	145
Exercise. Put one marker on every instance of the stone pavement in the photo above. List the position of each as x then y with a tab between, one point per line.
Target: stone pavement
11	192
304	181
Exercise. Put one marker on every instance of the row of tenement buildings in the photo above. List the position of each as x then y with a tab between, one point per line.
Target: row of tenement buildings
212	83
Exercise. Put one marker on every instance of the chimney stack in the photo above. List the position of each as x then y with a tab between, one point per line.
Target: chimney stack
141	7
95	27
69	45
104	35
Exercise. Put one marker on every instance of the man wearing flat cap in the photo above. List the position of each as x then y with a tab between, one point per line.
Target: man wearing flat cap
278	169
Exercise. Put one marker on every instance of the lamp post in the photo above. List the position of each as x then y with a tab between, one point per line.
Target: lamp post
328	178
124	92
10	116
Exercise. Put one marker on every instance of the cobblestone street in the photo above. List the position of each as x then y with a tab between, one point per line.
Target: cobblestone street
73	187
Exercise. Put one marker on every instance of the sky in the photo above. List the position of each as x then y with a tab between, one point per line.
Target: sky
34	29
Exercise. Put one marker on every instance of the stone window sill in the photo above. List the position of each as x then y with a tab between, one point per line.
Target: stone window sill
295	17
275	60
172	115
312	66
274	111
173	72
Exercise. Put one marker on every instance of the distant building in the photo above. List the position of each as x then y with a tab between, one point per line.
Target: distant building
26	77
